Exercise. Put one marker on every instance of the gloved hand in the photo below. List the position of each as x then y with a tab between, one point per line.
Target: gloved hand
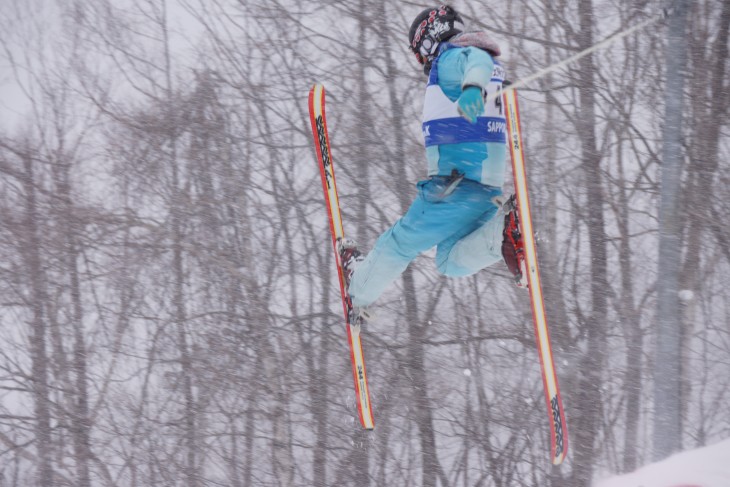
470	103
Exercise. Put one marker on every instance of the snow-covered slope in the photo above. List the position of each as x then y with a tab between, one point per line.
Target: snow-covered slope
703	467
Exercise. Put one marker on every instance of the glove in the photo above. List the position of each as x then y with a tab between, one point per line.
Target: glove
470	103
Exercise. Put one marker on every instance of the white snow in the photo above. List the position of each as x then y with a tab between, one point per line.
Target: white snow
686	295
703	467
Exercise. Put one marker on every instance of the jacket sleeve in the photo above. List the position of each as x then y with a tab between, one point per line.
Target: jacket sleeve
478	66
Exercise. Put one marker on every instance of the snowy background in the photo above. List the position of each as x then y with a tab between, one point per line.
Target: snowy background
169	310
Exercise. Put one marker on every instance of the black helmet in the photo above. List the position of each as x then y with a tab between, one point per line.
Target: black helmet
431	27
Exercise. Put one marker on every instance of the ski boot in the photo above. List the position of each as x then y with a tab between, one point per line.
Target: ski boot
513	247
350	257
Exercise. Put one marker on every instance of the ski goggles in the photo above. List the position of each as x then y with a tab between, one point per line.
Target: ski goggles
425	50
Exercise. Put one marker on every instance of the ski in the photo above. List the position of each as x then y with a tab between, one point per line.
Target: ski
327	171
558	427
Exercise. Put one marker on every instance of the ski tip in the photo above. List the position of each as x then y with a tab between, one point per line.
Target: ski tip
316	97
559	448
560	451
560	458
368	423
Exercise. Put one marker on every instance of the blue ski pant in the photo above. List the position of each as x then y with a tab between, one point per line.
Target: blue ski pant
466	226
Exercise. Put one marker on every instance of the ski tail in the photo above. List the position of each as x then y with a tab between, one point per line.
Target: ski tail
327	171
558	426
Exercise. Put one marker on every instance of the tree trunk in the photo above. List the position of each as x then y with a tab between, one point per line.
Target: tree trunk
667	435
586	412
632	329
32	253
703	166
430	466
80	420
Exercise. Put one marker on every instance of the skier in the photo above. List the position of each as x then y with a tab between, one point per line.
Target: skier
460	208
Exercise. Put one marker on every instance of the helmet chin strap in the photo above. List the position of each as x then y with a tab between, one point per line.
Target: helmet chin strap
427	66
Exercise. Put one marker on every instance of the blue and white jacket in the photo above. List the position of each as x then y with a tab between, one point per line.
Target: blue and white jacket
453	143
